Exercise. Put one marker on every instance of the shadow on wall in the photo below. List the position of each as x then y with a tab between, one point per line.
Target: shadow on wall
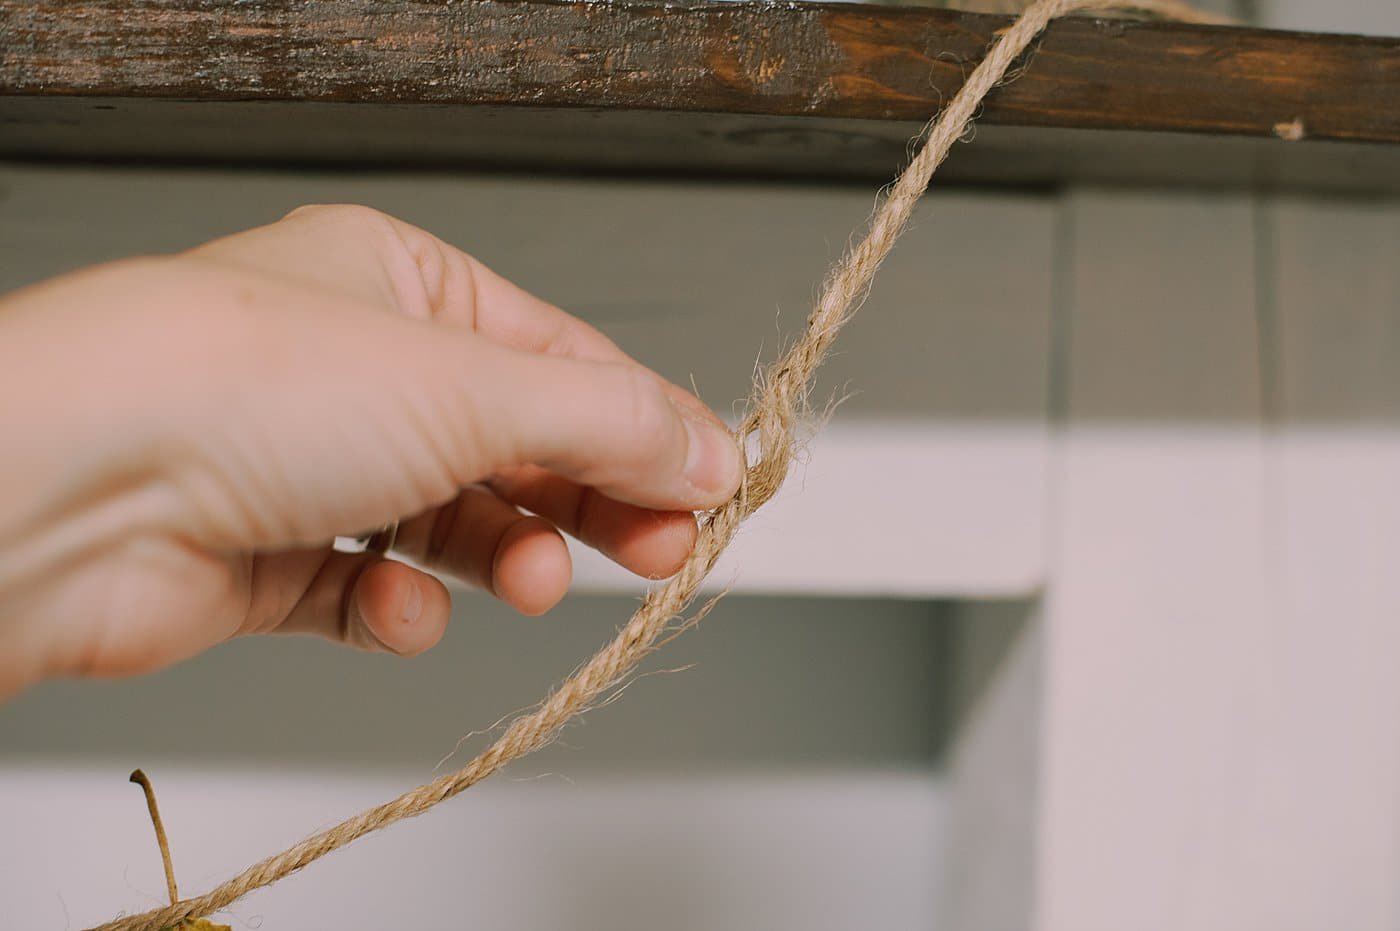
771	682
765	682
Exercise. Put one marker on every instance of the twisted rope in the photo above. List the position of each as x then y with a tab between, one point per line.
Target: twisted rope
776	405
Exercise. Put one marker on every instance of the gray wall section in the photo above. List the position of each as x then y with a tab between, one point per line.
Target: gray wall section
771	683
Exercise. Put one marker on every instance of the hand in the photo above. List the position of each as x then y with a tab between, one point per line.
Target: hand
185	435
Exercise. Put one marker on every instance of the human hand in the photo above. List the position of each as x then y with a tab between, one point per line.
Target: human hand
185	435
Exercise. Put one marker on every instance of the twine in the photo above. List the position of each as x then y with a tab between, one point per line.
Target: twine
777	404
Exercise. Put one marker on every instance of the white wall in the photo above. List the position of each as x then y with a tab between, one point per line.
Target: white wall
1164	444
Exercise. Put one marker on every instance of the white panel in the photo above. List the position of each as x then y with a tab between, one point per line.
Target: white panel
931	479
1324	810
1153	610
900	508
817	852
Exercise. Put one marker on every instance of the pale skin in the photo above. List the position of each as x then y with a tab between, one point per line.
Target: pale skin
184	436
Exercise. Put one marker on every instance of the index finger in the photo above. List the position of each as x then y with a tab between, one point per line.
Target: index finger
461	289
379	260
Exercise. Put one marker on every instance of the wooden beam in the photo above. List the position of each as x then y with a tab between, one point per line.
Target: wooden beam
757	86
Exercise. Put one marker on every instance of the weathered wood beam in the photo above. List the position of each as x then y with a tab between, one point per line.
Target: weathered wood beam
762	87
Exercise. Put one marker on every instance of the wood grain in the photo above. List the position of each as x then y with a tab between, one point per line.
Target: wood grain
794	75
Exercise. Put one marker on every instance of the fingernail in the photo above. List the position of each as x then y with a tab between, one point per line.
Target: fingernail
712	460
413	604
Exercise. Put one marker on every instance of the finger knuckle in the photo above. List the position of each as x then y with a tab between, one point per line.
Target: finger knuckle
433	280
354	215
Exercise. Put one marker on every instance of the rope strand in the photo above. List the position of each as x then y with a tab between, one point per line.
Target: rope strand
776	406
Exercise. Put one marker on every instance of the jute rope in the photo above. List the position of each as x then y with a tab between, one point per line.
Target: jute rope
776	406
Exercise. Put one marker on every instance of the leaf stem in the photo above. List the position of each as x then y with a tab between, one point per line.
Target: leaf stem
140	779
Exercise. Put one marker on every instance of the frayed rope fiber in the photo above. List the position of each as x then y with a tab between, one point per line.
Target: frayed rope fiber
776	407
